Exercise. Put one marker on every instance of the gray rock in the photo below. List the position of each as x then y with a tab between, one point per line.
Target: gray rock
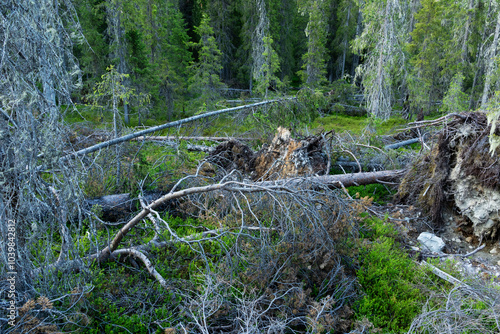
431	242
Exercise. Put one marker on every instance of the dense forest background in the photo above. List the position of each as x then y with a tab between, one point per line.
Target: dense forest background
415	55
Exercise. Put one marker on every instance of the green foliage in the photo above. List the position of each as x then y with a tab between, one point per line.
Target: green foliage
313	73
205	81
341	91
174	57
266	75
455	100
380	193
111	90
92	52
389	280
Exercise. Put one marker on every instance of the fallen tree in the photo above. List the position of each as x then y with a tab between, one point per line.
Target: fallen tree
458	170
195	138
119	206
137	134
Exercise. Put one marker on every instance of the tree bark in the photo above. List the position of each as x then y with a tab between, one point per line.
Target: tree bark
337	181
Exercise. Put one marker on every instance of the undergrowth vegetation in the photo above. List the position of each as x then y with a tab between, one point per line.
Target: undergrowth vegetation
312	260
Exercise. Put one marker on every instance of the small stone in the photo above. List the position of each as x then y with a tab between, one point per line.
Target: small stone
493	250
468	239
431	242
498	263
416	249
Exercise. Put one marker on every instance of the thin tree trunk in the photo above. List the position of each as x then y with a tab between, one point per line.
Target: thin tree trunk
344	53
466	36
359	23
491	63
479	57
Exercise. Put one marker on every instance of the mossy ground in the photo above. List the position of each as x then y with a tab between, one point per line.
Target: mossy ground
381	266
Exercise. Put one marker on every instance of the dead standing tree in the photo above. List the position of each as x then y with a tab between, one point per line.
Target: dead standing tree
37	210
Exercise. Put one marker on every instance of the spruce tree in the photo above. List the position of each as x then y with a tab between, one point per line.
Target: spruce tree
382	43
205	81
313	73
174	56
265	75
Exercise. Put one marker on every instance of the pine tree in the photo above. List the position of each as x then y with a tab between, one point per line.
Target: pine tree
205	81
313	72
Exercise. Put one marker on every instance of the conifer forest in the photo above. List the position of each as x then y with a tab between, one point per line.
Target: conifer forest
249	166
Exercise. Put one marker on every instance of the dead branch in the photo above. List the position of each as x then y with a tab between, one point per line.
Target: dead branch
167	138
459	255
244	187
433	122
144	259
441	274
355	165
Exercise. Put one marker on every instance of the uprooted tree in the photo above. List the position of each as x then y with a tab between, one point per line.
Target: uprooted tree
273	234
459	170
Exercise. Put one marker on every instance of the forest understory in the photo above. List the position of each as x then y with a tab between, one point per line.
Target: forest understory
264	166
273	230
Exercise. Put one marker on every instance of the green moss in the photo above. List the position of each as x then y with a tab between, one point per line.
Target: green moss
389	280
357	124
380	193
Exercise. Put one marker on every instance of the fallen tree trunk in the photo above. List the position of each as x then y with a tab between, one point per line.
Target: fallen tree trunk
119	206
287	185
402	143
116	207
167	138
341	180
131	136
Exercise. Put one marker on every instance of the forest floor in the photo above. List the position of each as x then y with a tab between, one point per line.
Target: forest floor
355	142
